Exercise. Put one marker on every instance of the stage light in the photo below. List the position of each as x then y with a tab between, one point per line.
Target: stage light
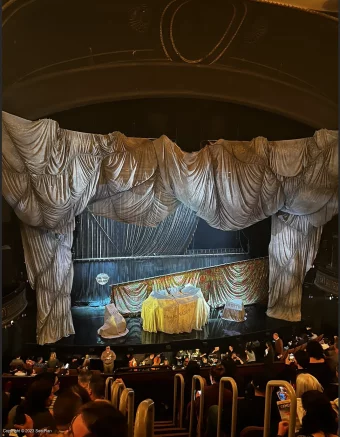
12	323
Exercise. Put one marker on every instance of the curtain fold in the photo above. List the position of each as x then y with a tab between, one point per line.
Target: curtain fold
49	267
293	247
50	175
246	280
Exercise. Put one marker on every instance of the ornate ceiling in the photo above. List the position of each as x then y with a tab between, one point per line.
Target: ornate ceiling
62	54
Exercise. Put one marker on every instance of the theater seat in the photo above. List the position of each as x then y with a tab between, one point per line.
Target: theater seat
252	431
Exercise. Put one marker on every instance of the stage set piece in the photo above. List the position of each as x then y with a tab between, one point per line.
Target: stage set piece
234	311
50	175
175	310
114	323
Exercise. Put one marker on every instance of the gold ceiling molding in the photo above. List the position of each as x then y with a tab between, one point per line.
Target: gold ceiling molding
306	5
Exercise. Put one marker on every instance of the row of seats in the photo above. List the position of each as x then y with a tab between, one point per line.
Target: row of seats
144	425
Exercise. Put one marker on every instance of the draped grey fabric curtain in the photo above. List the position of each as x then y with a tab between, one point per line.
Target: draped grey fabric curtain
50	175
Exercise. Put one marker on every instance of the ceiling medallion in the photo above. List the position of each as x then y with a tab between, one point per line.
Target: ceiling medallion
140	18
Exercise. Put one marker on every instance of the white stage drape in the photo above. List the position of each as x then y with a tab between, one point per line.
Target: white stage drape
51	174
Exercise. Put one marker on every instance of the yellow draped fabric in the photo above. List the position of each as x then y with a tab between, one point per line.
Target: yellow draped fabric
175	312
246	280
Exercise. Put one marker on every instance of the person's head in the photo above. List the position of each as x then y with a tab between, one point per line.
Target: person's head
20	368
269	345
234	356
53	356
39	397
81	392
97	388
259	383
216	373
217	348
192	369
320	416
301	359
99	419
84	378
107	348
230	367
166	362
314	350
152	356
65	408
40	360
231	348
51	378
275	336
306	382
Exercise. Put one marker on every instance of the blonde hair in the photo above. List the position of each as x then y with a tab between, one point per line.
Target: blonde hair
53	356
306	382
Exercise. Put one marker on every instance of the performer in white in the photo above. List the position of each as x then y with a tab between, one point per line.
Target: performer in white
114	323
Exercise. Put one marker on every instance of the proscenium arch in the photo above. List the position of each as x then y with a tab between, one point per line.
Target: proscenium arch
50	93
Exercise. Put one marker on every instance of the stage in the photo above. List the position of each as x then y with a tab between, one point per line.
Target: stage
318	312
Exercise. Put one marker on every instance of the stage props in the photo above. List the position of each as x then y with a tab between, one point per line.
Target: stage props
175	310
234	311
114	323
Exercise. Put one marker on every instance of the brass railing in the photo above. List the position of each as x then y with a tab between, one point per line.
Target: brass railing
234	406
145	418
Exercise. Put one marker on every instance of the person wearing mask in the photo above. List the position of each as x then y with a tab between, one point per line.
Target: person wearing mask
53	362
317	364
319	419
278	346
108	358
97	388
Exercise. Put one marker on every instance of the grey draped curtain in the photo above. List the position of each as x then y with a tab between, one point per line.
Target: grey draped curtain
50	175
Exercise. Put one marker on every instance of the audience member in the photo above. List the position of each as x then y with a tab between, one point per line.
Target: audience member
236	358
211	393
36	405
191	369
295	367
65	408
81	392
20	371
97	388
53	362
251	410
306	382
74	364
250	354
16	362
317	365
108	358
84	378
98	419
40	363
320	418
278	346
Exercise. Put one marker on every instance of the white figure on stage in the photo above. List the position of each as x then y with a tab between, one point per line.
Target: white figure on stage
114	323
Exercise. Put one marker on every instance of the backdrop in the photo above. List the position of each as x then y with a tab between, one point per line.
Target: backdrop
50	175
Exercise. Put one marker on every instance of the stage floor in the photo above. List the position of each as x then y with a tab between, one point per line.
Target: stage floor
87	320
318	312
